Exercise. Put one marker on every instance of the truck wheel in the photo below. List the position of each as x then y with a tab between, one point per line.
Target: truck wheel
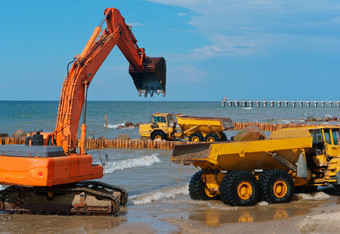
158	135
197	187
239	188
223	136
276	186
196	137
211	137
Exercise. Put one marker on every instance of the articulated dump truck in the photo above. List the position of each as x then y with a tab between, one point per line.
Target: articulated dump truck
193	128
244	173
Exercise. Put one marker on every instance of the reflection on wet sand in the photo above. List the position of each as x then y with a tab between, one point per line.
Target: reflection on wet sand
216	217
19	223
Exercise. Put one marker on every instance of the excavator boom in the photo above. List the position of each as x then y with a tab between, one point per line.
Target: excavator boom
149	74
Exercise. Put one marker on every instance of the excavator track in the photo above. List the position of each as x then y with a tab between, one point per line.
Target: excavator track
97	184
83	198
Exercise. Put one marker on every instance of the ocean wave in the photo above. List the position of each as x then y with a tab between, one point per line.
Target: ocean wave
159	195
131	163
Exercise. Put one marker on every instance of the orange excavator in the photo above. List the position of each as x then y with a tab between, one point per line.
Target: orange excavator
47	175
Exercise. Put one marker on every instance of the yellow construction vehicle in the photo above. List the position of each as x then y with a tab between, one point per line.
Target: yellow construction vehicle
243	173
165	127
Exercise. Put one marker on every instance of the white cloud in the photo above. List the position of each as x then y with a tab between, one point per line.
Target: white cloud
235	27
183	14
186	72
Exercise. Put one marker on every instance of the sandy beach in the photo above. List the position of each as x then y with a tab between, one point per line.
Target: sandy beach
307	213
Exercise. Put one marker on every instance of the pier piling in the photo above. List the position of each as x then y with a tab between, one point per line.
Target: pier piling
301	104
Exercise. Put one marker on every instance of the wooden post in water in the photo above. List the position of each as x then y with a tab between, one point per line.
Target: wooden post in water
105	121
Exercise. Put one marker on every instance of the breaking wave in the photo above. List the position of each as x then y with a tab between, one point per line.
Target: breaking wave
159	195
131	163
115	126
3	187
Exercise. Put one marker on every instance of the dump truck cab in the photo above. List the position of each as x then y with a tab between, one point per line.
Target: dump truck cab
323	159
162	127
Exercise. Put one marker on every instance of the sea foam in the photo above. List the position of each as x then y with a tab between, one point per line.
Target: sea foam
131	163
159	195
115	126
315	196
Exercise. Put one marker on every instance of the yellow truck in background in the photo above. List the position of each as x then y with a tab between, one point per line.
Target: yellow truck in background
164	126
243	173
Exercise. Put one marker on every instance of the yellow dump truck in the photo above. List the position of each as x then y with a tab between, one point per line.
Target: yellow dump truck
165	127
243	173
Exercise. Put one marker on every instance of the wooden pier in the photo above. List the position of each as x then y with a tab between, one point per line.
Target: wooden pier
230	103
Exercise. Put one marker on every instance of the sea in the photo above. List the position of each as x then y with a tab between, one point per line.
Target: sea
157	188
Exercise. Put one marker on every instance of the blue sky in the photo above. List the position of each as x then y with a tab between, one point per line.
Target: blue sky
242	49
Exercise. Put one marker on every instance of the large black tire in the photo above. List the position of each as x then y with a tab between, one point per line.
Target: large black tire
223	136
158	135
197	187
276	186
211	137
239	188
196	136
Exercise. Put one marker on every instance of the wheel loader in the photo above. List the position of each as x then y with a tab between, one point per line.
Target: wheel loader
244	173
167	126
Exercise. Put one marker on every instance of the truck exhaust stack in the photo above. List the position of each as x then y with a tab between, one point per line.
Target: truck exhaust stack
153	79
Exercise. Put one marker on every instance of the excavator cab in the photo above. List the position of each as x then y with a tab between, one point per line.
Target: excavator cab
153	79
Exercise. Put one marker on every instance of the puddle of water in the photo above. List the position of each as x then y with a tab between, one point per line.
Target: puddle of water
262	211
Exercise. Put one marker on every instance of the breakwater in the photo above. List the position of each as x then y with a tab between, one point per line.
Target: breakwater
166	145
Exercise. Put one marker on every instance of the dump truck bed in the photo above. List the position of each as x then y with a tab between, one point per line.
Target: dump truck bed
241	155
203	124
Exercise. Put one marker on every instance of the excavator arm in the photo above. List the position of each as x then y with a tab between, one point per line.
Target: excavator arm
149	76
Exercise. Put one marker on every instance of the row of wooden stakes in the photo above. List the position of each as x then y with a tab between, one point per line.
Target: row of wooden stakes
148	144
107	144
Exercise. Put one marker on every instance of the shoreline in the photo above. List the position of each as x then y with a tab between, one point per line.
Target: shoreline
315	216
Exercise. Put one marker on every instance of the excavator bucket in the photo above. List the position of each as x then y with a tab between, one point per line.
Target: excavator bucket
153	80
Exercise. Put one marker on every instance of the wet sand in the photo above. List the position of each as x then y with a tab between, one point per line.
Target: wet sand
318	213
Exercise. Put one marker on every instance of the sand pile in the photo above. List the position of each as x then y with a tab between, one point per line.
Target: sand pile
321	223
